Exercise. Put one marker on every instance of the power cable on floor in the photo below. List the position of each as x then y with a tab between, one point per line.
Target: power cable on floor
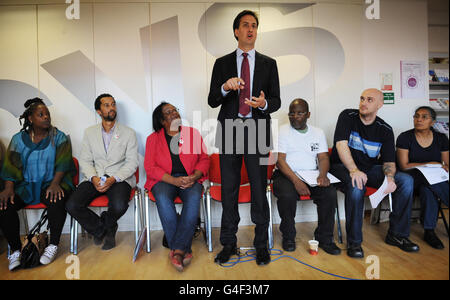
276	254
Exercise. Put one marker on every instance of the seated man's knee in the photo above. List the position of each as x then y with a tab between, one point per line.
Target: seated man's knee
355	191
355	194
284	196
404	182
331	192
71	205
285	191
119	207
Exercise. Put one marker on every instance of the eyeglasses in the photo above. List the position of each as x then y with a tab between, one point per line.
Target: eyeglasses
299	114
170	111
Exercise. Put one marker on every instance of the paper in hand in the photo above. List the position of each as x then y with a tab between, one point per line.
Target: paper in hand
379	195
434	174
310	177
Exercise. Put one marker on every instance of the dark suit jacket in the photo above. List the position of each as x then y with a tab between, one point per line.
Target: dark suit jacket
265	78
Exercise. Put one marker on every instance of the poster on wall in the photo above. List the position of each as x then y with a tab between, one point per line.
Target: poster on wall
388	97
386	81
387	88
413	79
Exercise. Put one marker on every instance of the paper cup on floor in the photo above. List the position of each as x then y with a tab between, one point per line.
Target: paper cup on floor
313	247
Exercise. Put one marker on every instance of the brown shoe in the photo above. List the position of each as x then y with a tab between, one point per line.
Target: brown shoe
187	259
176	259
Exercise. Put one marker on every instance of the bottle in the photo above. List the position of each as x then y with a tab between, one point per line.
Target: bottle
102	180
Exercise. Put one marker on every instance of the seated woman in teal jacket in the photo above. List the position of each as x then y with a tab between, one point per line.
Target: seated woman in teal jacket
38	167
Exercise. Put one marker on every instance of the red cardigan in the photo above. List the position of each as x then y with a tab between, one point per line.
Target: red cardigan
157	160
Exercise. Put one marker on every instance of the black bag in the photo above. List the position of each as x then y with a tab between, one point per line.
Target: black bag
34	244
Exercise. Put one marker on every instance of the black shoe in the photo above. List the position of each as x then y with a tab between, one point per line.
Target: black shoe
98	240
262	256
431	238
355	251
288	245
331	248
224	255
403	243
110	238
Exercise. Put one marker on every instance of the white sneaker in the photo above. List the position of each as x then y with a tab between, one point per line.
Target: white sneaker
49	254
14	260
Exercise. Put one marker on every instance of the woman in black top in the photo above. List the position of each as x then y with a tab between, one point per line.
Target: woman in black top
420	146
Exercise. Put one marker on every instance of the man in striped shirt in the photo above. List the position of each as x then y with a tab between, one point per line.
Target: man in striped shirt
364	155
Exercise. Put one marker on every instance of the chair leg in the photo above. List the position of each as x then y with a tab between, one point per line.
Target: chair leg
8	253
137	206
147	221
443	217
205	218
270	229
71	234
338	220
141	210
208	216
25	221
75	238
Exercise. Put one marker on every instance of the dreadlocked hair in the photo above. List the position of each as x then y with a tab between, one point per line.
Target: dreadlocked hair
30	106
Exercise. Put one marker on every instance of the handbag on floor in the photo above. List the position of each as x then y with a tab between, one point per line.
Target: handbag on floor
35	244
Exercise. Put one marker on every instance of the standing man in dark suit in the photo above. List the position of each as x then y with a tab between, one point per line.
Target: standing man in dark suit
245	85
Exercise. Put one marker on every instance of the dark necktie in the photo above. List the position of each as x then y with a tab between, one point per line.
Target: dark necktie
244	109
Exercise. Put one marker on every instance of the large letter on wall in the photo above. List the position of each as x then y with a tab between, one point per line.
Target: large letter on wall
73	10
165	62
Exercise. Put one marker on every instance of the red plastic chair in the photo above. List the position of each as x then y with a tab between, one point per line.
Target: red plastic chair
441	215
214	192
41	205
370	191
149	196
102	201
308	198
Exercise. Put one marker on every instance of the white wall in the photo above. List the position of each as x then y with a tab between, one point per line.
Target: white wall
400	34
145	52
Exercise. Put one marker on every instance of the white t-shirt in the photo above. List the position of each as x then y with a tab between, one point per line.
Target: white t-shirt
301	149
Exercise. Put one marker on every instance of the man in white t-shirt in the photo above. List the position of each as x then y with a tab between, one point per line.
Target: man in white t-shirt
304	147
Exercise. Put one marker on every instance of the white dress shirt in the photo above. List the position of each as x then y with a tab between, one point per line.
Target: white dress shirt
251	63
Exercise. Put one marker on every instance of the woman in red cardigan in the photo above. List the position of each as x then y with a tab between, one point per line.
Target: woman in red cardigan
176	163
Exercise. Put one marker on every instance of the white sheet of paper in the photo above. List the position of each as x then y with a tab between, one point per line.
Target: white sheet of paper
310	177
434	174
379	195
432	166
